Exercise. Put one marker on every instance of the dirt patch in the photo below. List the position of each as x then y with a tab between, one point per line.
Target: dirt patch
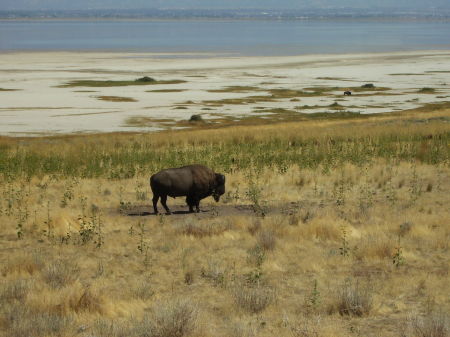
208	211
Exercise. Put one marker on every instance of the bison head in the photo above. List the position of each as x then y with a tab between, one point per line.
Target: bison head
220	186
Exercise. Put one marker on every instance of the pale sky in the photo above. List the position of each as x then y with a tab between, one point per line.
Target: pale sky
222	4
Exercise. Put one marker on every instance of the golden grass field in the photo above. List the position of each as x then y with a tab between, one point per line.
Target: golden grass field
354	243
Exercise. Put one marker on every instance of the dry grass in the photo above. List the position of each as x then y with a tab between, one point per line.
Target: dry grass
231	271
354	299
266	239
255	298
60	273
433	324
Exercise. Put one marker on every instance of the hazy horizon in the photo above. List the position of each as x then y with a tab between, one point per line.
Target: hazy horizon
215	4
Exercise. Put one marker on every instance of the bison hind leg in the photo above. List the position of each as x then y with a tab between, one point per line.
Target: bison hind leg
164	203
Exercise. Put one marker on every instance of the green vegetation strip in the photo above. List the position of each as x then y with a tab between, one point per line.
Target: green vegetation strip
139	81
116	99
119	158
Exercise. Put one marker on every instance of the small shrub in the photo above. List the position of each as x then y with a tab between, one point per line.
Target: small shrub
145	79
256	256
405	228
426	90
188	277
196	118
215	272
368	86
253	299
143	290
305	216
60	273
354	300
88	300
266	239
177	318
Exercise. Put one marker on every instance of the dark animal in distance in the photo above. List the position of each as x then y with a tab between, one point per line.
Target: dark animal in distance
347	93
195	182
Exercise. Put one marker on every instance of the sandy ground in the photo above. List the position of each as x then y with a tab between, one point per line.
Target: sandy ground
38	106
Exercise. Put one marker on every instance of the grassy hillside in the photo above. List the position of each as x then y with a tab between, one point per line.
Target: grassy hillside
328	228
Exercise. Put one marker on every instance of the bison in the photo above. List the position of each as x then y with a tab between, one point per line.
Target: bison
195	182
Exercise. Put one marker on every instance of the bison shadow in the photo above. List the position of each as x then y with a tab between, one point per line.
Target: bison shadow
145	213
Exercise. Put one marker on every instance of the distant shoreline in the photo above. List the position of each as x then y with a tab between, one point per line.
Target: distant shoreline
225	19
54	93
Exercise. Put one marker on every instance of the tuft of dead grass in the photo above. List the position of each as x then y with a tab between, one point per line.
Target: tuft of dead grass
84	299
24	263
200	230
14	290
255	298
60	273
175	318
352	299
266	239
19	321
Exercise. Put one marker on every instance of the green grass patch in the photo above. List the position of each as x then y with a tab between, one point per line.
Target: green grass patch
237	88
438	71
125	156
97	83
116	99
242	100
167	90
308	107
426	90
4	89
275	111
332	78
406	74
335	115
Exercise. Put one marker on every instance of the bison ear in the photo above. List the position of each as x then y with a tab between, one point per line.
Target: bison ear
220	179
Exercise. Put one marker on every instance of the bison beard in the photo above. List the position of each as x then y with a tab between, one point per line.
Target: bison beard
195	182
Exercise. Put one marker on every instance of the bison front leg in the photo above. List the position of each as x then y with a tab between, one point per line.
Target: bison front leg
155	203
190	202
163	202
194	200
